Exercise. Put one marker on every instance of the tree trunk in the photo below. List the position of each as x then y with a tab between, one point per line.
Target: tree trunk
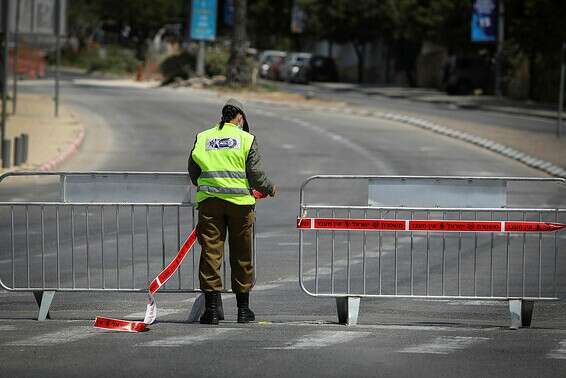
360	49
532	74
239	69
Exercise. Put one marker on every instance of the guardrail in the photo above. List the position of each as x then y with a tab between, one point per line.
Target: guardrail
412	240
96	231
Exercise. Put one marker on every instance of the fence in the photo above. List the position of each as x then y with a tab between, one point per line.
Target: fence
456	238
95	231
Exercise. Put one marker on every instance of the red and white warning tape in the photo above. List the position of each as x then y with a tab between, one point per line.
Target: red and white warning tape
340	224
154	286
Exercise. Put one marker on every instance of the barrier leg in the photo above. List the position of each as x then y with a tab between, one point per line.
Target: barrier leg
348	309
43	299
198	309
521	313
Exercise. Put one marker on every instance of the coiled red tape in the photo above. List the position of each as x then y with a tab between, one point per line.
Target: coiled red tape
154	286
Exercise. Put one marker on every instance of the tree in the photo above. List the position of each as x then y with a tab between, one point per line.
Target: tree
358	22
269	24
239	69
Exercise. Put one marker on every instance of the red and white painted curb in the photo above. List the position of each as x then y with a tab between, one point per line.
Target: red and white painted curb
154	286
69	151
342	224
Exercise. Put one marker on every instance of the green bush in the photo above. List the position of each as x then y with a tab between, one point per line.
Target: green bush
183	65
111	59
177	66
216	61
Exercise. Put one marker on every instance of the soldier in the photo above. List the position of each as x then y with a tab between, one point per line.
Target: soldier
225	165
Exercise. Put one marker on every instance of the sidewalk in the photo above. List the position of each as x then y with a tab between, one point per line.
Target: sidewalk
431	95
51	139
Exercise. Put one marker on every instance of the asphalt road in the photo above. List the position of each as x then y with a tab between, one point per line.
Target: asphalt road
296	335
448	111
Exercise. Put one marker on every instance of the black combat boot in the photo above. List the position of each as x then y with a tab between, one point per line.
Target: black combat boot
245	315
210	315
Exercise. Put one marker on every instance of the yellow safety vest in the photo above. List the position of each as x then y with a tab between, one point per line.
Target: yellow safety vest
222	154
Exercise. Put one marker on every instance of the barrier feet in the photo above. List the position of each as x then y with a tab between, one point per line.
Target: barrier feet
348	309
521	313
43	299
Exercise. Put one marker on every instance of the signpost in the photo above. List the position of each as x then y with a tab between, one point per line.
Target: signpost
203	27
488	26
561	94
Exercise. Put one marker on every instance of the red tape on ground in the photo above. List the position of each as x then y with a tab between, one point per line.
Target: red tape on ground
339	224
156	284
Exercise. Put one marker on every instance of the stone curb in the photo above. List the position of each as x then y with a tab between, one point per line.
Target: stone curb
531	161
72	148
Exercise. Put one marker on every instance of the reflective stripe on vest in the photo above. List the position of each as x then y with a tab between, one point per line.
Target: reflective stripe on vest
223	174
213	189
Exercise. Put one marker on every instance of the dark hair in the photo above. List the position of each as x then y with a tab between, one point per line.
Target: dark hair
229	112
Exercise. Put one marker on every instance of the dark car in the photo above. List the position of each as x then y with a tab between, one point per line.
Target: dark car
322	69
304	67
464	75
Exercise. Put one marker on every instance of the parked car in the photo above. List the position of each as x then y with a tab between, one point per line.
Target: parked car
465	74
270	62
305	67
322	68
295	68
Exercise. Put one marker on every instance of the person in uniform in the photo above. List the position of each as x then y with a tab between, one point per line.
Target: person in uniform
225	165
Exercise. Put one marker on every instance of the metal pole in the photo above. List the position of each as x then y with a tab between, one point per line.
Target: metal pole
15	60
561	94
500	39
5	30
201	58
57	52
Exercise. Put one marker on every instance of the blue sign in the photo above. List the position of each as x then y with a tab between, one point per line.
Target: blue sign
229	12
203	20
484	21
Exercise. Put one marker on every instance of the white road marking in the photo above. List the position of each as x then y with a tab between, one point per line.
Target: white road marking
204	334
66	335
262	287
476	303
323	339
444	345
558	353
7	328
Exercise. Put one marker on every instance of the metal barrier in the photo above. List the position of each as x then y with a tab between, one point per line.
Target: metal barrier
96	231
393	260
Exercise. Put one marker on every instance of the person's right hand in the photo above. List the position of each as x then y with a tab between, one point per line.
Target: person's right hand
274	191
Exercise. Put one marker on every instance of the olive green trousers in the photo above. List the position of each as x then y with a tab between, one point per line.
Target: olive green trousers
215	218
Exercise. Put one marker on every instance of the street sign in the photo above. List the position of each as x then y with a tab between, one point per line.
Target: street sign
203	20
484	21
37	18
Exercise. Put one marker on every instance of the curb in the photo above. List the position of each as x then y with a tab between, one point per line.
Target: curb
501	149
71	150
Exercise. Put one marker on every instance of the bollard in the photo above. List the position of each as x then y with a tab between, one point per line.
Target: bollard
6	153
17	151
25	147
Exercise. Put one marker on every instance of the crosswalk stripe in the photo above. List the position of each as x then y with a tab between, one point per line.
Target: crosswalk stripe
322	339
558	353
66	335
444	345
202	335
